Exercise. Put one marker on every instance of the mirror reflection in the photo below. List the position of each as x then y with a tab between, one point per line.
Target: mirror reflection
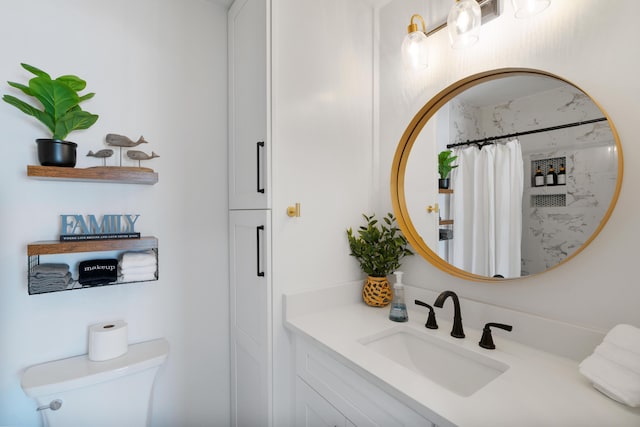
536	176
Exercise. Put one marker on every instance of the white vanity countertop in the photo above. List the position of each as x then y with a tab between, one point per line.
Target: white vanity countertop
538	389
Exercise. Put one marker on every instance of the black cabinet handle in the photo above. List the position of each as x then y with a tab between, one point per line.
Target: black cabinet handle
259	144
258	229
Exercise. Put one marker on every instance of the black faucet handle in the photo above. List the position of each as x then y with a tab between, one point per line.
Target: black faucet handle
431	319
487	340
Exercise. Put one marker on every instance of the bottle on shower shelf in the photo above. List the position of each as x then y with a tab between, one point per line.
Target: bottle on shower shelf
538	178
552	177
398	312
562	175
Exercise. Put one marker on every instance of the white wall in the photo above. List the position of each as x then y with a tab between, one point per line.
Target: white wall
322	153
591	46
159	70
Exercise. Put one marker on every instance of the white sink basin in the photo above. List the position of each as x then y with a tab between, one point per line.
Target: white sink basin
450	365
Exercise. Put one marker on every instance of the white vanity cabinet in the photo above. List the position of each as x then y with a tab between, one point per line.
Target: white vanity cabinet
330	393
313	410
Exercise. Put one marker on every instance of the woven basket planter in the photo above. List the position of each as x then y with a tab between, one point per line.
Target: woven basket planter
377	292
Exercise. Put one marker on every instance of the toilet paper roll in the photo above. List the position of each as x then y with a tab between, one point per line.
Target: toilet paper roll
108	340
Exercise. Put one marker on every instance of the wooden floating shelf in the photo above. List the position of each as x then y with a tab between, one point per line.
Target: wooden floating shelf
445	190
446	222
52	247
125	175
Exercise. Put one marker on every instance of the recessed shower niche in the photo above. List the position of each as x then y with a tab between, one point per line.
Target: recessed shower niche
548	195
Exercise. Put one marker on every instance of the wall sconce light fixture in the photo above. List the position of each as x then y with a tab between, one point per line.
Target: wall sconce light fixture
464	22
528	8
415	53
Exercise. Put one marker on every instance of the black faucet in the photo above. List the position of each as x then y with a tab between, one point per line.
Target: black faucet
457	331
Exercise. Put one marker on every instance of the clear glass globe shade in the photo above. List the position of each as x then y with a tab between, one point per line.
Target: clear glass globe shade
415	54
463	23
528	8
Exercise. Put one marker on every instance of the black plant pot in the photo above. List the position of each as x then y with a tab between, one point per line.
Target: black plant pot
443	183
53	152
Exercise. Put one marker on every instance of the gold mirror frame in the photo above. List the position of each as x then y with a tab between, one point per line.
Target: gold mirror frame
409	137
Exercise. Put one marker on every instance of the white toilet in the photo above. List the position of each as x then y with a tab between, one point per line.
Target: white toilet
114	392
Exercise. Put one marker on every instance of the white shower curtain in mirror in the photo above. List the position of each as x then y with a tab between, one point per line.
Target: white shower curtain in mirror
486	208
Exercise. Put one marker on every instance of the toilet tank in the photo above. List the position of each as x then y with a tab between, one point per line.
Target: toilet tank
114	392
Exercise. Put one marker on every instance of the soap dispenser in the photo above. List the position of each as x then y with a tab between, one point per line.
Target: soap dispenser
398	312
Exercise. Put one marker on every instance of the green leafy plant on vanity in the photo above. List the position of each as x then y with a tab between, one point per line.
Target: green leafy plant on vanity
445	160
60	113
378	247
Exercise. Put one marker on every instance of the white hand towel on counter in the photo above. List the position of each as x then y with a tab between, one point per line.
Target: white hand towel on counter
623	357
625	336
617	382
613	368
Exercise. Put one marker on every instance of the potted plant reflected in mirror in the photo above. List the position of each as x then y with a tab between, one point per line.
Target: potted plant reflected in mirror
59	111
378	247
445	167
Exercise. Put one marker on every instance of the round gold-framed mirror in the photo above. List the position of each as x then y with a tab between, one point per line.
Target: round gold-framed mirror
555	126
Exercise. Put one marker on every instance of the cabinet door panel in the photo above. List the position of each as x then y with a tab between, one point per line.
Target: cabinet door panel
249	144
363	403
312	410
250	304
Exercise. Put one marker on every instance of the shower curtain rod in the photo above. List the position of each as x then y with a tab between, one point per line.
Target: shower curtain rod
486	141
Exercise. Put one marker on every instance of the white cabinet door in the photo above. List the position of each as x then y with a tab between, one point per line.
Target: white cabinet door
250	306
312	410
361	402
249	141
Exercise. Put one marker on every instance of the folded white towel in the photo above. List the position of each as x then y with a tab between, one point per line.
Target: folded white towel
623	357
625	336
138	270
615	381
138	259
138	277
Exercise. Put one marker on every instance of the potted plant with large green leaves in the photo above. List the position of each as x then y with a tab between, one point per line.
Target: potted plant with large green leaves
60	113
378	247
445	167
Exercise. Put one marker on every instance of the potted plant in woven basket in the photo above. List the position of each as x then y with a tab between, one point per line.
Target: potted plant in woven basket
57	108
378	247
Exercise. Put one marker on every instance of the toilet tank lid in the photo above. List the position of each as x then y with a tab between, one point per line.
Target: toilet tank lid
79	371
